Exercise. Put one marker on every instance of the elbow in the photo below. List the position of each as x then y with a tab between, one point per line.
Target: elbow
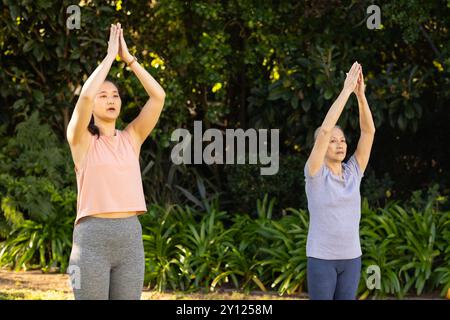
324	130
370	131
161	95
86	98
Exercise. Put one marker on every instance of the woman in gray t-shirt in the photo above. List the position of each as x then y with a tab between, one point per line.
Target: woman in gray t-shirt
334	201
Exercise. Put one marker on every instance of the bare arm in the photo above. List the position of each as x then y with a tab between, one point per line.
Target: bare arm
141	127
317	156
367	126
144	123
83	108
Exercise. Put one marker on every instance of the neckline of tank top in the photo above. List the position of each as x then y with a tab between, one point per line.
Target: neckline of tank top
116	131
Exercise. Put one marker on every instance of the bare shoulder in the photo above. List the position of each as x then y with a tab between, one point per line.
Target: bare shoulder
135	139
80	149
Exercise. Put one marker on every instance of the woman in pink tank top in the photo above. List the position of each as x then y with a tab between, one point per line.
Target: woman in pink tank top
107	258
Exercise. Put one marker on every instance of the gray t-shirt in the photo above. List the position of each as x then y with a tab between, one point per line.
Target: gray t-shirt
334	205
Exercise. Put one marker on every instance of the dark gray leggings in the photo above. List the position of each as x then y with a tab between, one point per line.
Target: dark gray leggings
107	259
333	279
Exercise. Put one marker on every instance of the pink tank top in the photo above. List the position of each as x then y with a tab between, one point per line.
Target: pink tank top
109	177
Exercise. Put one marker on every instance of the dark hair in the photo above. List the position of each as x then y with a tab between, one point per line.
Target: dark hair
93	129
111	81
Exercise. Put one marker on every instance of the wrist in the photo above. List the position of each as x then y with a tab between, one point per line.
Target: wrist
360	96
131	61
110	57
347	91
128	58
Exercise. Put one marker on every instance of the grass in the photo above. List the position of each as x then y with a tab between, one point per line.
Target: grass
36	285
31	294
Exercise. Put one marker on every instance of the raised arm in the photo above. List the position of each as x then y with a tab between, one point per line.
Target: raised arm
317	156
141	127
82	113
366	124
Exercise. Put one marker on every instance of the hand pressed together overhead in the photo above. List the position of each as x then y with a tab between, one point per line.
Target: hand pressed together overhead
117	44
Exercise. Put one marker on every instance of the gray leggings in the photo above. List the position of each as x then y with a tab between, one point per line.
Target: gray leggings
107	259
333	279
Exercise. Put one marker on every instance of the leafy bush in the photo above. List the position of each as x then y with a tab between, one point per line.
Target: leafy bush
38	245
286	254
37	204
199	246
208	249
245	184
410	246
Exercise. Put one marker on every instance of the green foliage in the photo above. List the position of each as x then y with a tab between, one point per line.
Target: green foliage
233	64
37	245
410	245
242	266
37	204
241	64
245	183
159	245
285	254
375	189
193	250
184	250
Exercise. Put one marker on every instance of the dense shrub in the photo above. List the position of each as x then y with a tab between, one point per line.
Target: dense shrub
190	250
